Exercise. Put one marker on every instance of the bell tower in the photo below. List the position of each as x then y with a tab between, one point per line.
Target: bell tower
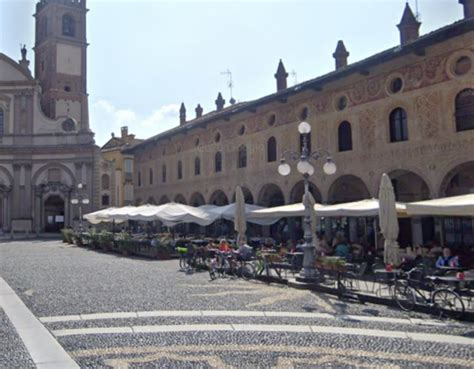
61	59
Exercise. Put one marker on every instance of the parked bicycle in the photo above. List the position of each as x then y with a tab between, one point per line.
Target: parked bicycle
412	288
227	264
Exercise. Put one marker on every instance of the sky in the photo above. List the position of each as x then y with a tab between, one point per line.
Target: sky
147	56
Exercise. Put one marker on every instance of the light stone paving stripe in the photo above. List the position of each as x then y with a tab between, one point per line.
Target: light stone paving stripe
249	313
439	338
88	331
230	313
185	313
272	328
118	315
183	328
43	348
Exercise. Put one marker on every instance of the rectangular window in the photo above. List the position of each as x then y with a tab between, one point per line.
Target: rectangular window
139	179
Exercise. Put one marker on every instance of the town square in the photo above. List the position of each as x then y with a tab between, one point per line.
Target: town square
167	201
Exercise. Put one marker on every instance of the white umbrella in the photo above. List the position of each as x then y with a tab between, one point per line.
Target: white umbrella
388	220
240	225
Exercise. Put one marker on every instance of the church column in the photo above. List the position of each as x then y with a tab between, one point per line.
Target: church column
37	205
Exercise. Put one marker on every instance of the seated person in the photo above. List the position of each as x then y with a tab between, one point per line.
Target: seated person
447	260
322	247
224	246
342	249
300	246
244	252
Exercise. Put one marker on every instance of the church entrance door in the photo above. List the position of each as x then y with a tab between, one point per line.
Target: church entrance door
54	214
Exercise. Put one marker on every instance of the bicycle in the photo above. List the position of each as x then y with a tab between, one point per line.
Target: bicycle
226	264
410	292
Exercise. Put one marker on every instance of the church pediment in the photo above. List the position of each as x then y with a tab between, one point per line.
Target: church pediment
10	71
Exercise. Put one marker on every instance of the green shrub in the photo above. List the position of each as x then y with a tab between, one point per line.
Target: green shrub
67	234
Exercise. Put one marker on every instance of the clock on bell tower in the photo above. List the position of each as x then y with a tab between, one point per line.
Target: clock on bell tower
61	59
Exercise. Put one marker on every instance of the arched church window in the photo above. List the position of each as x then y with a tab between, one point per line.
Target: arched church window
465	110
105	182
271	149
398	125
180	170
345	136
69	26
197	166
163	173
242	159
2	122
218	162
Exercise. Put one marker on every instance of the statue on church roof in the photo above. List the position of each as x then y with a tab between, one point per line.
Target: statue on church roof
23	52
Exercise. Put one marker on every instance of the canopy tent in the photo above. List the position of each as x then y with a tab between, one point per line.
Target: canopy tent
111	214
228	212
277	212
171	214
100	216
462	206
362	208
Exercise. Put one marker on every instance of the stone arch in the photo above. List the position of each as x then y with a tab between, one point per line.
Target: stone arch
218	198
197	199
248	197
180	199
164	200
459	180
151	200
5	177
409	186
138	202
44	168
347	188
271	195
297	192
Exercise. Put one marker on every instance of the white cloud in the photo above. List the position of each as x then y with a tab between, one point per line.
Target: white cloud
106	118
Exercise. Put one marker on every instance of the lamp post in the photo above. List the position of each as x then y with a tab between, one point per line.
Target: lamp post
79	200
304	166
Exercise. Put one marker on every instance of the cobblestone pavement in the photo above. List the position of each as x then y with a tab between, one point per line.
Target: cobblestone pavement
118	312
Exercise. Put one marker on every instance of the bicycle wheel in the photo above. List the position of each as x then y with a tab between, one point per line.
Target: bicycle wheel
449	303
247	271
405	296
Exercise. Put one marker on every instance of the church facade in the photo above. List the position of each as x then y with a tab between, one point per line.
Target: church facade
407	111
48	156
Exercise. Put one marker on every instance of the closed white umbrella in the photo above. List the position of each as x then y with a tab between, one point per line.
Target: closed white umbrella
388	220
240	224
314	219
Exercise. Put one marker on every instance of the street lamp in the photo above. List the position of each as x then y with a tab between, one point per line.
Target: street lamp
305	167
79	201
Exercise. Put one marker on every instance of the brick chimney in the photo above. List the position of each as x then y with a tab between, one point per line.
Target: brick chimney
124	130
468	8
198	111
182	114
340	55
409	27
220	102
281	76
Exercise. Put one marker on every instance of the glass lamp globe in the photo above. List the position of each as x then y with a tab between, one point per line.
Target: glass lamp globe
305	167
304	128
329	167
284	169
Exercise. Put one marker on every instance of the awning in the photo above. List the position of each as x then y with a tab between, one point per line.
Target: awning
462	206
228	212
363	208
